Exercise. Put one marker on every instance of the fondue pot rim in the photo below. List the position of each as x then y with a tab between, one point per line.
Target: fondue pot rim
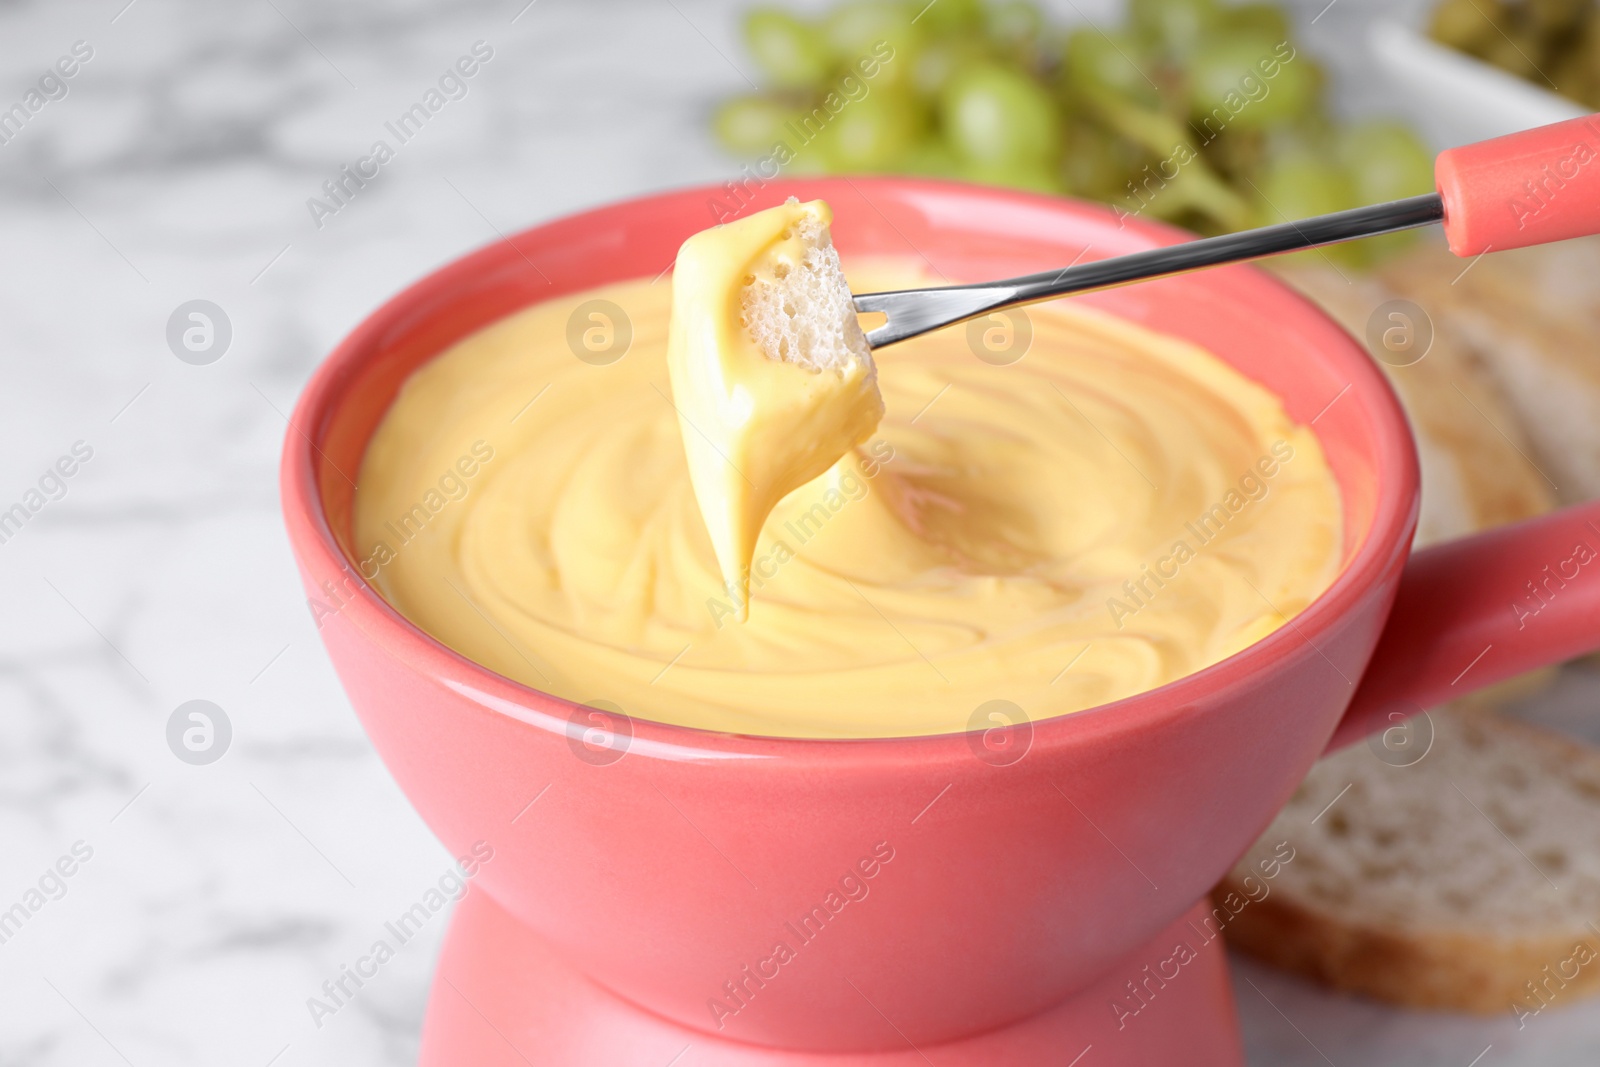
1381	549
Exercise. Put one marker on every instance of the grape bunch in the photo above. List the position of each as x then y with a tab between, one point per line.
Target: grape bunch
1197	112
1553	43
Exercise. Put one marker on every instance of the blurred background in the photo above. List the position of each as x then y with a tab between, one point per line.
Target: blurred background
183	244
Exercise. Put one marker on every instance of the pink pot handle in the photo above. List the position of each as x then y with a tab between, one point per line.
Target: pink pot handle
1527	188
1476	611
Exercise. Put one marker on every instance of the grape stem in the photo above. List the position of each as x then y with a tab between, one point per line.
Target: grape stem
1201	188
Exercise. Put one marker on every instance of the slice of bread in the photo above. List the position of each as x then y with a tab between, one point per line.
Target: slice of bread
1531	317
1474	452
804	313
1402	888
1467	880
1471	445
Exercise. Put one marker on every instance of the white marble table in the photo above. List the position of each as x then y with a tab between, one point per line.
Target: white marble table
177	166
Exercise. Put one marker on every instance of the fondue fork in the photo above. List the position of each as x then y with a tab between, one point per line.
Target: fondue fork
1528	188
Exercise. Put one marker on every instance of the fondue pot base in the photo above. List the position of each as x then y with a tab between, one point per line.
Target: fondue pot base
501	998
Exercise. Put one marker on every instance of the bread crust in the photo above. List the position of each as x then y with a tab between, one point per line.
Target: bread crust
1531	319
1475	455
1508	333
1453	971
1384	939
1476	470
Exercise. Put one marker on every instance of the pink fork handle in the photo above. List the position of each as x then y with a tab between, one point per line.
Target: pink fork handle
1476	611
1527	188
1483	609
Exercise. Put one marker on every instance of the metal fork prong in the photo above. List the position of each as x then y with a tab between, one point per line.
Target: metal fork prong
914	312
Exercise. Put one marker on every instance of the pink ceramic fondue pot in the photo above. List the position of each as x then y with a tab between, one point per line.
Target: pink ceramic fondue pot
676	896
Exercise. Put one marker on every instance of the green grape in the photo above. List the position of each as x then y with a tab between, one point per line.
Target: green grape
939	61
931	159
884	29
949	18
1095	61
874	132
1251	82
1258	19
1300	183
995	116
1032	175
811	159
750	124
1173	26
791	52
1385	160
1014	21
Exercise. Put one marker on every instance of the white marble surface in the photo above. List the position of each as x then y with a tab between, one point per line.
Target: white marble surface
219	897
